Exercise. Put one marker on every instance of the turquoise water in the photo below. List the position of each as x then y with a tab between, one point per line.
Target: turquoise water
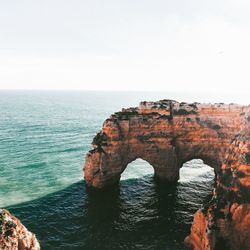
45	135
43	139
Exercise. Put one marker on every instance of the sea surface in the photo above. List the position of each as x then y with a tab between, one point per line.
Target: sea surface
44	136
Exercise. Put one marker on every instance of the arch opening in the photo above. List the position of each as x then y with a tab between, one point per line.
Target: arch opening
196	182
137	169
196	170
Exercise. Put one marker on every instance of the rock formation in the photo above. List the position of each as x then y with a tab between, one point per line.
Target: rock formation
14	235
167	134
224	223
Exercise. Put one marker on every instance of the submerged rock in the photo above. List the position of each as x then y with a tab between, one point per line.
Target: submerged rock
14	235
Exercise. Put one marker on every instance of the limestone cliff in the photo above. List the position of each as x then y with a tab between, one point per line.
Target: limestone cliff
224	223
167	134
14	235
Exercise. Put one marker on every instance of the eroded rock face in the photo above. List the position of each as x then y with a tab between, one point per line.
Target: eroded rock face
224	223
168	133
165	134
14	235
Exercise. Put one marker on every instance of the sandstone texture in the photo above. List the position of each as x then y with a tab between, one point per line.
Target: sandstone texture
166	134
14	235
224	223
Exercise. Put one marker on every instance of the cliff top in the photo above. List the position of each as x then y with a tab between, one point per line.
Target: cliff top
172	108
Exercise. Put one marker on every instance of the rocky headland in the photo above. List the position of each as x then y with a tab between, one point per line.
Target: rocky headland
167	134
224	223
14	235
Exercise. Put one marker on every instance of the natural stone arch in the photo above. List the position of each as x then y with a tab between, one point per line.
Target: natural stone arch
166	134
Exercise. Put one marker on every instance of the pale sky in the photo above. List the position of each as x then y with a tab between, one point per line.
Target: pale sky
169	45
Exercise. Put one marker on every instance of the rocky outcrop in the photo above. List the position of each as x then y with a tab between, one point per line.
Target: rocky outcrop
167	134
224	223
14	235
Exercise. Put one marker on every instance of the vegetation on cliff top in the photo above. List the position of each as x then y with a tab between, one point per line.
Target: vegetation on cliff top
6	225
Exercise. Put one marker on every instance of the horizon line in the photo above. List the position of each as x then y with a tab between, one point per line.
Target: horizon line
127	90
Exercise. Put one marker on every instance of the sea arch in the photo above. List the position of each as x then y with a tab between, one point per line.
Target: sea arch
166	134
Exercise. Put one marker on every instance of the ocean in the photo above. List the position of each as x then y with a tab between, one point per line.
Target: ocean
44	136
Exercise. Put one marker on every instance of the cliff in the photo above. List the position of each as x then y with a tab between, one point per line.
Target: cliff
167	134
224	223
14	235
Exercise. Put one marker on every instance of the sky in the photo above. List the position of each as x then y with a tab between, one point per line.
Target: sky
160	45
